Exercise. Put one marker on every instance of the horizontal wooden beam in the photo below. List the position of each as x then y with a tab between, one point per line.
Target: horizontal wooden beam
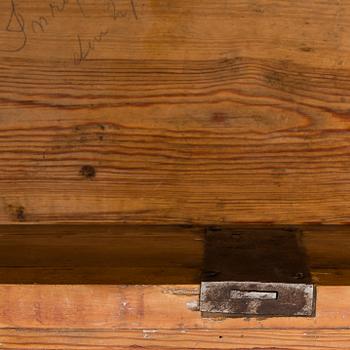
152	255
158	339
146	307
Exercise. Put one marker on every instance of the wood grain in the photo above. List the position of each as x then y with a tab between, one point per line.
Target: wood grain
177	339
167	112
114	254
100	254
156	317
146	307
182	112
64	317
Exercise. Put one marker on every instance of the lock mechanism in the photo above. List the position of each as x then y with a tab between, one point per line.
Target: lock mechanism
254	298
256	273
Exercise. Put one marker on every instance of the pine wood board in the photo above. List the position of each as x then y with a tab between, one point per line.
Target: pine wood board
146	307
173	112
155	339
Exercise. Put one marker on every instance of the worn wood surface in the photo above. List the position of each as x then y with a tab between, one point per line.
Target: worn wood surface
156	317
146	307
83	316
167	112
174	111
301	339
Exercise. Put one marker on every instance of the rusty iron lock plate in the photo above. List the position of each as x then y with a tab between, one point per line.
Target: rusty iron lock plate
257	299
256	272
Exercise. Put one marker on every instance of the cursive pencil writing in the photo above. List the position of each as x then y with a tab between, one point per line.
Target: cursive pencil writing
20	28
87	46
133	7
114	12
16	25
60	6
16	22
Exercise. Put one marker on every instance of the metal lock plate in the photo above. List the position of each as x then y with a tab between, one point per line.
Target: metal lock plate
255	298
257	272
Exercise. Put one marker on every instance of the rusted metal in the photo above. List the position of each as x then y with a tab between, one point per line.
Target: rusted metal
249	271
257	299
253	254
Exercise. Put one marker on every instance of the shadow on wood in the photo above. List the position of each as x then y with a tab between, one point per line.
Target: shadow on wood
114	254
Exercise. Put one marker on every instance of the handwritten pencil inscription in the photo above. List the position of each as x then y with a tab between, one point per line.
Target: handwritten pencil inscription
85	48
18	26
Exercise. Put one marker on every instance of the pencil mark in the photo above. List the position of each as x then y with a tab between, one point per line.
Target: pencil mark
81	8
40	24
112	8
133	7
16	25
87	46
57	8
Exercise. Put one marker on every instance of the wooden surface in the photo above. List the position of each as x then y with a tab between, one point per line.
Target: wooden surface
167	112
125	316
271	339
174	111
151	255
146	307
156	317
100	254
